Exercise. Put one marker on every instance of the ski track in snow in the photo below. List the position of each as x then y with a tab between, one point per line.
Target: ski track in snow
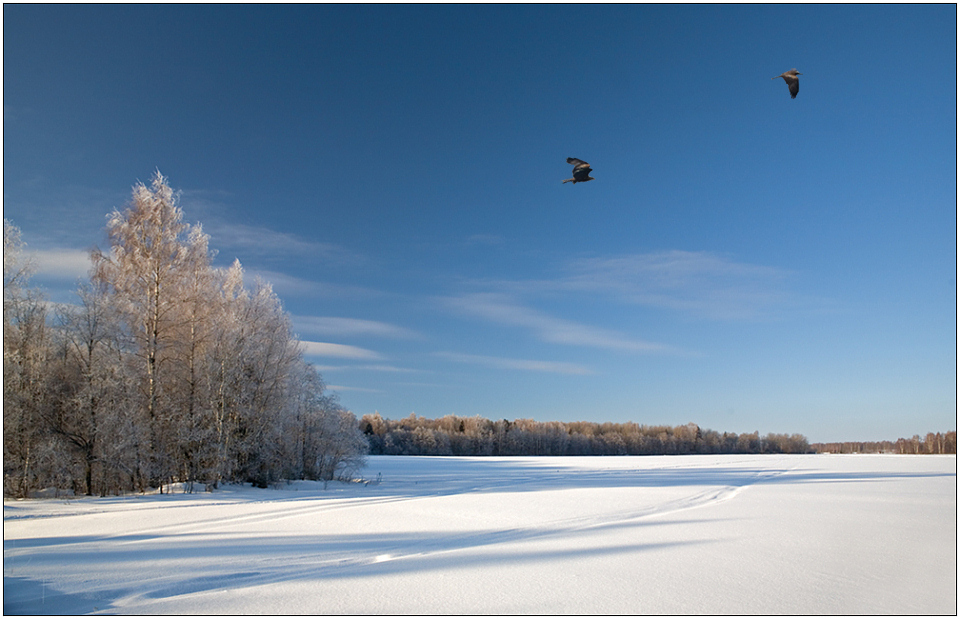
239	538
280	511
302	564
317	566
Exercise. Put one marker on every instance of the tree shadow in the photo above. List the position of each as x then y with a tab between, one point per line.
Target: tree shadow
195	563
188	563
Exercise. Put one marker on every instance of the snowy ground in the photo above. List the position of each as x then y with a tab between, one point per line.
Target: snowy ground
588	535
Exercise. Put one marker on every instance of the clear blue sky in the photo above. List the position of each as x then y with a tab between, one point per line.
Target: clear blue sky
742	260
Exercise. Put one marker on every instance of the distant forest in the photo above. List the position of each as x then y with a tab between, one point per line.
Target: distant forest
476	436
939	443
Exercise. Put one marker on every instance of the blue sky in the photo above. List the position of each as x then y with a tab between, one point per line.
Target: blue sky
743	260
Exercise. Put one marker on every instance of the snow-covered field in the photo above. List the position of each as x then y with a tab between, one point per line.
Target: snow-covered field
599	535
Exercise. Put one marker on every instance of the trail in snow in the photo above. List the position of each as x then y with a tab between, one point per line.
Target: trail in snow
521	526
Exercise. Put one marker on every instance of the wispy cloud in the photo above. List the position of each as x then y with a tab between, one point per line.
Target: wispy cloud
256	243
364	368
703	283
345	327
501	363
264	243
62	264
357	389
287	285
341	351
428	385
54	216
501	308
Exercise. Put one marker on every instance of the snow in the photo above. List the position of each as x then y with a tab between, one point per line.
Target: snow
812	534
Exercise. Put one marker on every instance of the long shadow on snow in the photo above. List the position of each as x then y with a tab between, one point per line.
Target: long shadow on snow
247	561
253	561
25	596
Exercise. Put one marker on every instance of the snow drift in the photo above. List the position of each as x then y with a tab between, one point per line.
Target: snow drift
598	535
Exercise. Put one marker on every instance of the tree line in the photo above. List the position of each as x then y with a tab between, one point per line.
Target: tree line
166	370
476	436
932	443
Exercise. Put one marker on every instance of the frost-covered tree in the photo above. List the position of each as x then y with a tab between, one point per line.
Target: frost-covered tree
148	270
92	383
16	268
26	350
167	370
266	365
224	368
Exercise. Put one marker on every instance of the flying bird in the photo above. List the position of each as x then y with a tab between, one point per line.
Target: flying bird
790	77
581	171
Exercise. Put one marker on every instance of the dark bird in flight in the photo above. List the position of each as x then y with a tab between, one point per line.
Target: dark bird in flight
581	171
790	77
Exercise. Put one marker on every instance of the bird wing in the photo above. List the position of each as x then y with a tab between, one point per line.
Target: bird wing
581	172
794	85
576	162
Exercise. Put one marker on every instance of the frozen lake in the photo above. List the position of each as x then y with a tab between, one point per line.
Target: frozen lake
814	534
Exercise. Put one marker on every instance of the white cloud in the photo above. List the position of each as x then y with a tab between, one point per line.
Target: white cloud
329	325
501	363
66	264
502	309
342	351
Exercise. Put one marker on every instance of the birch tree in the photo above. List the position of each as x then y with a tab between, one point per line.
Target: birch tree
224	368
168	370
91	367
153	255
26	348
